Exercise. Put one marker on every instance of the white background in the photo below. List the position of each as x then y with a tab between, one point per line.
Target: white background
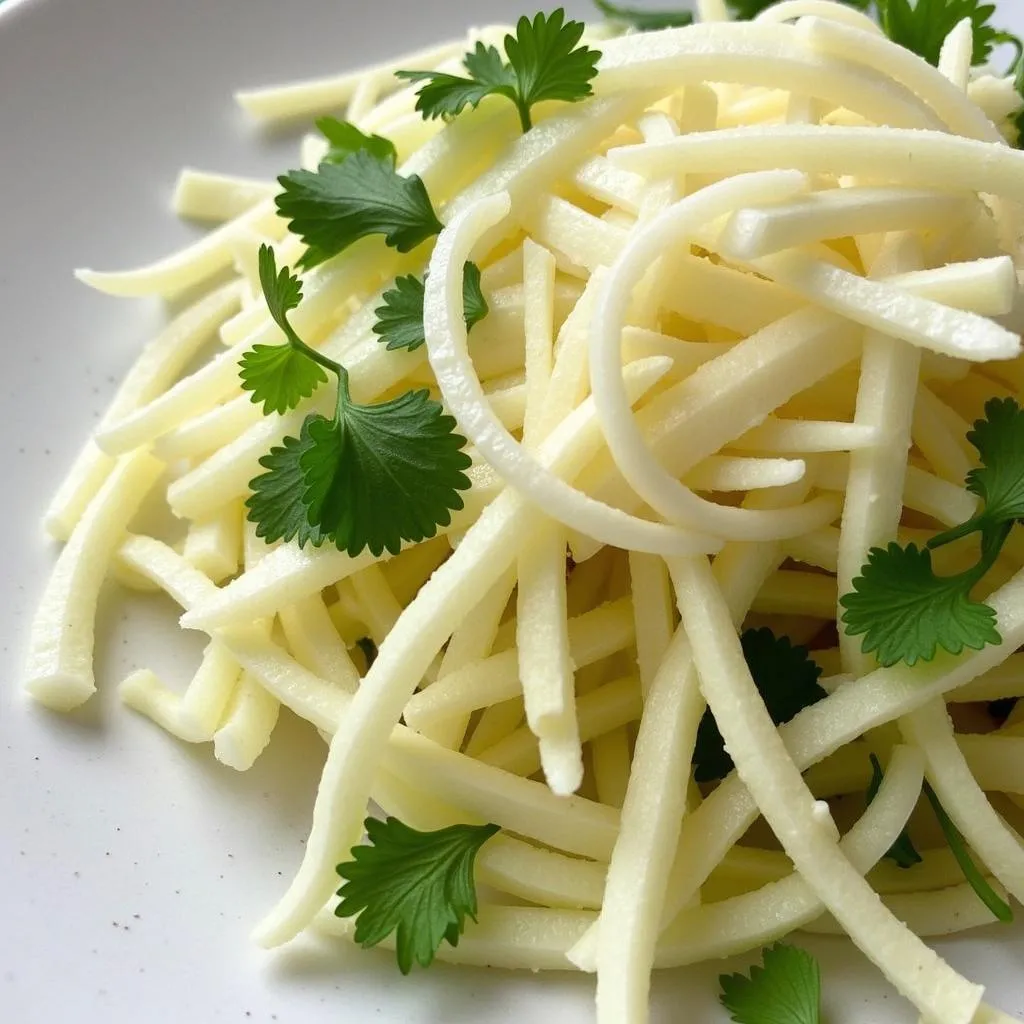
132	867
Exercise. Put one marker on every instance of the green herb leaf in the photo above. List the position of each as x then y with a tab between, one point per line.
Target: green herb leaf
400	319
417	884
999	907
276	504
644	20
335	206
999	482
280	376
787	680
380	474
345	139
786	990
745	10
906	612
903	851
922	25
544	62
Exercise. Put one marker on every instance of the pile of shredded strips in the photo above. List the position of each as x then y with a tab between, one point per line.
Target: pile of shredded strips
614	454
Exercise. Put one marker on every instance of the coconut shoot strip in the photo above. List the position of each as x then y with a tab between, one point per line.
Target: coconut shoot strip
769	56
876	481
445	330
653	614
837	213
59	672
781	435
884	695
471	642
949	911
209	196
192	265
774	782
592	636
314	642
988	835
153	371
758	918
545	667
214	545
483	556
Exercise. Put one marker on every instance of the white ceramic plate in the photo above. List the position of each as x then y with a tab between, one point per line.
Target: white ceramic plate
131	866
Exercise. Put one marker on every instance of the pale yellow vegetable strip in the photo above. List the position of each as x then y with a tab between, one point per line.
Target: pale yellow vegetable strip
880	697
957	56
512	938
596	634
837	213
205	701
610	762
315	644
760	917
201	435
290	573
584	240
600	179
214	545
325	95
191	265
797	593
876	481
59	669
207	195
923	158
377	603
946	98
653	614
494	724
470	643
938	439
930	914
789	10
988	835
780	435
774	782
143	691
1005	680
770	56
598	712
484	554
153	371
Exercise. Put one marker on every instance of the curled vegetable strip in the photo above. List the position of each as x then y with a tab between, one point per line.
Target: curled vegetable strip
625	440
445	331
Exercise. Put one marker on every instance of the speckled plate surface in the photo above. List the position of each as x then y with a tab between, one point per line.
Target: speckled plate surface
132	867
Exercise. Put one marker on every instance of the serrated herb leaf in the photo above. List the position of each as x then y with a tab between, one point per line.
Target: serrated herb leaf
344	139
419	885
338	204
544	62
787	680
922	25
999	481
786	990
906	613
400	319
642	19
903	851
380	474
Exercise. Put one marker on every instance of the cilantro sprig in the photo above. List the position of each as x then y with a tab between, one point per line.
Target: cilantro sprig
902	851
902	608
787	680
400	318
785	990
922	25
643	19
370	476
544	61
344	139
1001	910
419	885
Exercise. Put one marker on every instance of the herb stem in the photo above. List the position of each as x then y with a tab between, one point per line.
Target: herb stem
525	121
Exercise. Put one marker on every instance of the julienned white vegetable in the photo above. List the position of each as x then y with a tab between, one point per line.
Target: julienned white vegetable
746	301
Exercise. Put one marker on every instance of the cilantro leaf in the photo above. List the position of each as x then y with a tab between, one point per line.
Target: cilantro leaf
345	139
999	482
923	25
999	907
380	474
276	504
745	10
786	990
544	62
906	612
335	206
787	680
417	884
645	21
400	319
903	851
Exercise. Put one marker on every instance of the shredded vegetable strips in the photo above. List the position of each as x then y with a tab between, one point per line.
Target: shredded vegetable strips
615	442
